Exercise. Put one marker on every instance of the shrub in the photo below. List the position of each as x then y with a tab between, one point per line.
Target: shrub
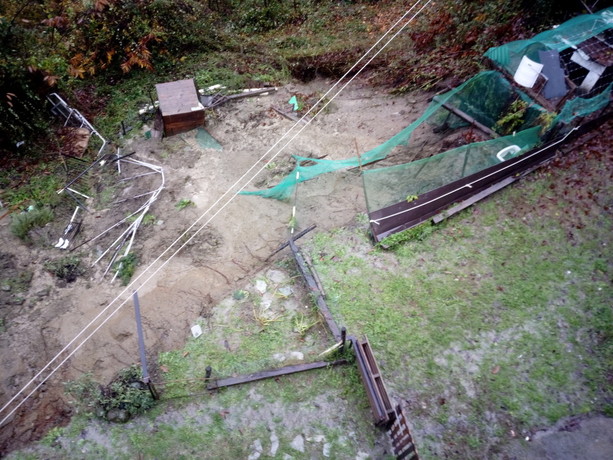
126	266
66	268
23	223
126	393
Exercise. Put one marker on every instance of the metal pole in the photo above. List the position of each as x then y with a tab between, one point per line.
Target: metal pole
141	347
141	340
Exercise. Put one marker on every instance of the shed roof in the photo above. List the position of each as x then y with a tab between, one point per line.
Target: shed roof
178	97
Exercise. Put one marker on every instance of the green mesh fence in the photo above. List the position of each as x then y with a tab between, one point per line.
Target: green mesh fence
566	35
387	186
581	107
484	97
488	98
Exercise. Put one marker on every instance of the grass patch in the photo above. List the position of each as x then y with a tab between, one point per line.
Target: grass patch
23	223
499	320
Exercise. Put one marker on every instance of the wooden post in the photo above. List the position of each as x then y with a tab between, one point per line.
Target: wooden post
208	373
343	338
154	393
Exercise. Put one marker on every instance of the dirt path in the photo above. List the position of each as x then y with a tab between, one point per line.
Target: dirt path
232	247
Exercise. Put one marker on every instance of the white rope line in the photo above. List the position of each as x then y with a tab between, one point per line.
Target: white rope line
470	185
130	286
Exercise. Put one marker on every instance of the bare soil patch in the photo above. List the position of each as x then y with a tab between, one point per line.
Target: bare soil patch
44	315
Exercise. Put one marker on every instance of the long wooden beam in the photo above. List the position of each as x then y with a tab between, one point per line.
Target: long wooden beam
466	117
262	375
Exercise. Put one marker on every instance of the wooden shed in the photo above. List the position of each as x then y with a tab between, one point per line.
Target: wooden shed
180	107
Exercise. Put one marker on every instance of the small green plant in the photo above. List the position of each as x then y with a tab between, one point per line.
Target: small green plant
417	233
302	324
125	396
23	223
513	118
411	198
125	267
52	435
240	294
292	224
545	119
184	203
149	219
65	268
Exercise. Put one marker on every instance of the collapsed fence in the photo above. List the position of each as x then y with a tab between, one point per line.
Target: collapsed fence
386	416
548	89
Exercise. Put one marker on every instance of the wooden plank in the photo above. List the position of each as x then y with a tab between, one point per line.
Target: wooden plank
466	117
472	200
403	441
312	285
375	390
296	236
289	116
177	97
262	375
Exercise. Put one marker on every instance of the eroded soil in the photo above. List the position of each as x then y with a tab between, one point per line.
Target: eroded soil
42	316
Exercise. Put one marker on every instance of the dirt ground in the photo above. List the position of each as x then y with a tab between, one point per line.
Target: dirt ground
44	316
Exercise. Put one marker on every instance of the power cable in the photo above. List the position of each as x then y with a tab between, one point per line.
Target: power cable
130	287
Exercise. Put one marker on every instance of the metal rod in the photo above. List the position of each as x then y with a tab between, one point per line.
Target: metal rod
78	193
141	339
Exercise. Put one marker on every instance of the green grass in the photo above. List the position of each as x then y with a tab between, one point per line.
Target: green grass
491	321
23	223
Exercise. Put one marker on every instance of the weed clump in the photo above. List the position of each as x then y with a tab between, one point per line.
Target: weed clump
23	223
417	233
66	268
126	266
124	397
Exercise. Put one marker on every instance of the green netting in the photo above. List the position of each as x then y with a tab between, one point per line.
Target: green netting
488	98
387	186
484	97
566	35
581	107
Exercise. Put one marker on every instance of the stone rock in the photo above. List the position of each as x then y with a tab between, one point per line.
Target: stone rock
118	416
277	276
257	450
16	301
298	443
362	456
286	291
261	286
274	440
278	357
43	292
6	287
267	299
297	355
326	451
317	438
